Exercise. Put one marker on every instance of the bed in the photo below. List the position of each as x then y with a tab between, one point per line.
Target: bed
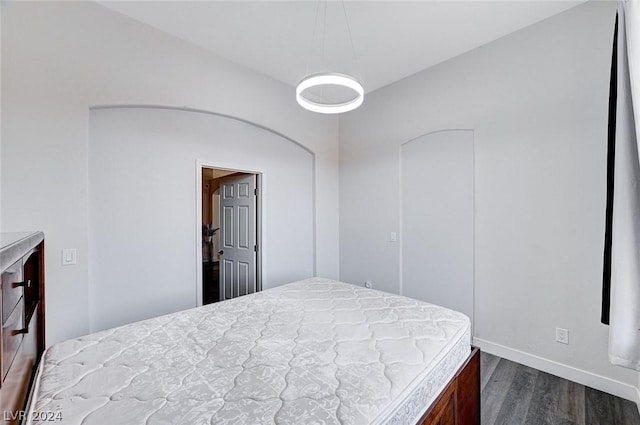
314	351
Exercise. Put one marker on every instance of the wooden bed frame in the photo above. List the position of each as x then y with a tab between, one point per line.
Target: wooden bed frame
459	402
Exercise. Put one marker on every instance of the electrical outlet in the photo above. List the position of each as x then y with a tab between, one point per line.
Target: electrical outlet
562	336
368	284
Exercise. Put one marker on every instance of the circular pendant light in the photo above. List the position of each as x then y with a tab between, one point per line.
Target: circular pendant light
329	92
333	79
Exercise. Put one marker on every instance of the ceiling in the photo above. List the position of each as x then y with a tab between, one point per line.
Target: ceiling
215	173
392	39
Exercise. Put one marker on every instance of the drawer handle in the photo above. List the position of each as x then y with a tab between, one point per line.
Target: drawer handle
26	284
20	331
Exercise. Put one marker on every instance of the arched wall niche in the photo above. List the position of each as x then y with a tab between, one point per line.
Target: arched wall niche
142	199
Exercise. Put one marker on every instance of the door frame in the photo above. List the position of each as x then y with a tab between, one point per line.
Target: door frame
261	240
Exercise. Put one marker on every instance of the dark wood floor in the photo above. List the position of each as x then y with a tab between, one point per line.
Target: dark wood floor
513	394
210	279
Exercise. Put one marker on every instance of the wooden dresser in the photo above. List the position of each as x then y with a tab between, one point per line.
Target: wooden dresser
22	339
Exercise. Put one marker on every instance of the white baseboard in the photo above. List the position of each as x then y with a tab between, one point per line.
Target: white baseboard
599	382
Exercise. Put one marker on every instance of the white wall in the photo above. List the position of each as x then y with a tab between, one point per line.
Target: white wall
61	58
537	102
436	179
1	13
143	236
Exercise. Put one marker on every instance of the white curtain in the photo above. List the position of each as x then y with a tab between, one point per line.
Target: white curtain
624	334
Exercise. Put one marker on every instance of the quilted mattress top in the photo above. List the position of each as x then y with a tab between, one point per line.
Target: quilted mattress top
314	351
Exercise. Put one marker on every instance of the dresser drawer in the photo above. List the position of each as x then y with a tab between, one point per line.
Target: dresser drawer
17	381
30	343
12	333
12	281
15	387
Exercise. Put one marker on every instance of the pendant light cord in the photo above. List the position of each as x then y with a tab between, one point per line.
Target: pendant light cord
313	37
323	64
324	36
353	47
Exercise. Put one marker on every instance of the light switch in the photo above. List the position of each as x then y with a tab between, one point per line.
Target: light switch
69	257
393	237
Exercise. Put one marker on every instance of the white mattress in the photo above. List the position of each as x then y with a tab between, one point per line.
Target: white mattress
316	351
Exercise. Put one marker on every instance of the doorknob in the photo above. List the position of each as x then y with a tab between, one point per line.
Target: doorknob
220	252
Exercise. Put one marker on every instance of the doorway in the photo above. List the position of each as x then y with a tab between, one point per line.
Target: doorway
230	234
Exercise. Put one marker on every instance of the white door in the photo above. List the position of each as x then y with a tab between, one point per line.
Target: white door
437	219
238	236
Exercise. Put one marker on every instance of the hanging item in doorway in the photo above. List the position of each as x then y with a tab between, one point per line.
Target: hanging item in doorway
208	231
